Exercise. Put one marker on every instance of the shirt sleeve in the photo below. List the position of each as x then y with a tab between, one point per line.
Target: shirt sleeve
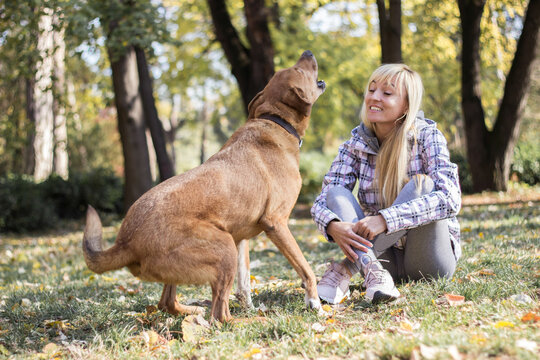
342	173
442	203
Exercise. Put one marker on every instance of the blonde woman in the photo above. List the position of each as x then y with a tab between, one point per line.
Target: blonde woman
402	225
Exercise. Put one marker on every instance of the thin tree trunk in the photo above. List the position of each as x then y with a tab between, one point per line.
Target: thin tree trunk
131	125
43	97
29	153
165	165
61	162
205	118
390	31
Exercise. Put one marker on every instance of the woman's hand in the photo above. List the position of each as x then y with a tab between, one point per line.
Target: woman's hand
344	235
370	226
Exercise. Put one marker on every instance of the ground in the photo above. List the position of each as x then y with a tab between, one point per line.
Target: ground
52	306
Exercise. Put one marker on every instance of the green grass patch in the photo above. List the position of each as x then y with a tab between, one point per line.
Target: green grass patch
51	305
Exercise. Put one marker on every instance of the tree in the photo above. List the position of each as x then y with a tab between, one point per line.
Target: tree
489	152
251	66
390	31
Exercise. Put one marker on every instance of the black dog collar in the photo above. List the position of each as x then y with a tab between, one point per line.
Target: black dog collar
284	124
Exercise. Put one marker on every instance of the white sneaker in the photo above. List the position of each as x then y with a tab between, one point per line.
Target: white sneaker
334	285
379	285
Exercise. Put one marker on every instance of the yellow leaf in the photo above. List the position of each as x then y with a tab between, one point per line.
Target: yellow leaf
330	321
481	235
406	326
503	324
467	229
327	308
251	352
477	339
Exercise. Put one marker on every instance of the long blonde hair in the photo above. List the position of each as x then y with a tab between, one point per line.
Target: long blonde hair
393	157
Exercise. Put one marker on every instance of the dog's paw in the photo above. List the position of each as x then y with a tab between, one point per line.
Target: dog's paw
313	303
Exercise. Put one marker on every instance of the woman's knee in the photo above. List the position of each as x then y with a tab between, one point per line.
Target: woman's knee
336	195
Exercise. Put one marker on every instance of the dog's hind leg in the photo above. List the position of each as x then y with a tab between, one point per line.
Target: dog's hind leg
169	304
243	279
224	281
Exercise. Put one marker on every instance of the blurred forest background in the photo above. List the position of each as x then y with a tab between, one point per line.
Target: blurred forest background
102	99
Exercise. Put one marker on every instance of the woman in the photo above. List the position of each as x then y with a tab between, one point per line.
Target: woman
402	225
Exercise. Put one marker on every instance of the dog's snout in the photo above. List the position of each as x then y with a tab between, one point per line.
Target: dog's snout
321	85
307	53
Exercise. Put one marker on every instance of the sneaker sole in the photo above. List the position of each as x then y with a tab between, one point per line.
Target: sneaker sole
333	302
380	298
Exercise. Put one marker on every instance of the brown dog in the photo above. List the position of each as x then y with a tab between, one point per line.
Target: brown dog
186	230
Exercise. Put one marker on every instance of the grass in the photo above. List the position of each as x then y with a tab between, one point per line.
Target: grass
52	306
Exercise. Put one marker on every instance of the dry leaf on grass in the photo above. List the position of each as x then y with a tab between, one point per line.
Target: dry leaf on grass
194	327
530	317
454	300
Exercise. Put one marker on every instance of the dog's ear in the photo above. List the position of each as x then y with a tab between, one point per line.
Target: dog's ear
297	98
254	103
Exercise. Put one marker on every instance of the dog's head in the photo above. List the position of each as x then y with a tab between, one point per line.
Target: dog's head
290	93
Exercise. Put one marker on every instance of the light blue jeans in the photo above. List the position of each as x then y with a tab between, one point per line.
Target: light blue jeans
428	250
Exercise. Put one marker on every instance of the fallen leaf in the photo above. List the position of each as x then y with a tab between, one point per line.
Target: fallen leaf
25	302
503	324
530	317
251	353
454	300
3	350
194	327
327	308
429	352
318	327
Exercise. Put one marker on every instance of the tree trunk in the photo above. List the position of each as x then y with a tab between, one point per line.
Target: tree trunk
131	125
29	153
251	67
166	167
205	119
43	100
61	163
390	31
507	124
490	153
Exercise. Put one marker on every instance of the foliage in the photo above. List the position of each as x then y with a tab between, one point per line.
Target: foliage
52	306
313	166
526	163
465	179
25	205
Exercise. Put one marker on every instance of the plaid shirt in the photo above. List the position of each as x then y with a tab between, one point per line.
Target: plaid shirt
355	162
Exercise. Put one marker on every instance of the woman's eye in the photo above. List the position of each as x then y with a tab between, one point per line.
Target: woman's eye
387	93
371	90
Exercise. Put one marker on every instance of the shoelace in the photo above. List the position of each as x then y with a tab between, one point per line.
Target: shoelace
332	276
374	275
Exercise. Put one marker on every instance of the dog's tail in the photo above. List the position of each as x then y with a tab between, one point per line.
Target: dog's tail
98	260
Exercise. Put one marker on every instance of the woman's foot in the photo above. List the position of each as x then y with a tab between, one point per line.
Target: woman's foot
379	284
334	285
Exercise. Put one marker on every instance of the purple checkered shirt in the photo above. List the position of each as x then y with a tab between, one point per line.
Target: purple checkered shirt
355	162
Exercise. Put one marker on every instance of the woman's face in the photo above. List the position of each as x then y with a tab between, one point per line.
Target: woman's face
384	104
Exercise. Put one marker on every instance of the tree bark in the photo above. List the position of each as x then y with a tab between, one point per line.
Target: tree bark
490	152
131	125
390	31
252	67
165	165
43	99
61	159
516	90
29	153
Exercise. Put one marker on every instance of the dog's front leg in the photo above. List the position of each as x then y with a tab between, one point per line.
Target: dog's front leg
281	236
243	278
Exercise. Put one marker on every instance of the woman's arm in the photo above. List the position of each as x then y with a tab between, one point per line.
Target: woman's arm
444	201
